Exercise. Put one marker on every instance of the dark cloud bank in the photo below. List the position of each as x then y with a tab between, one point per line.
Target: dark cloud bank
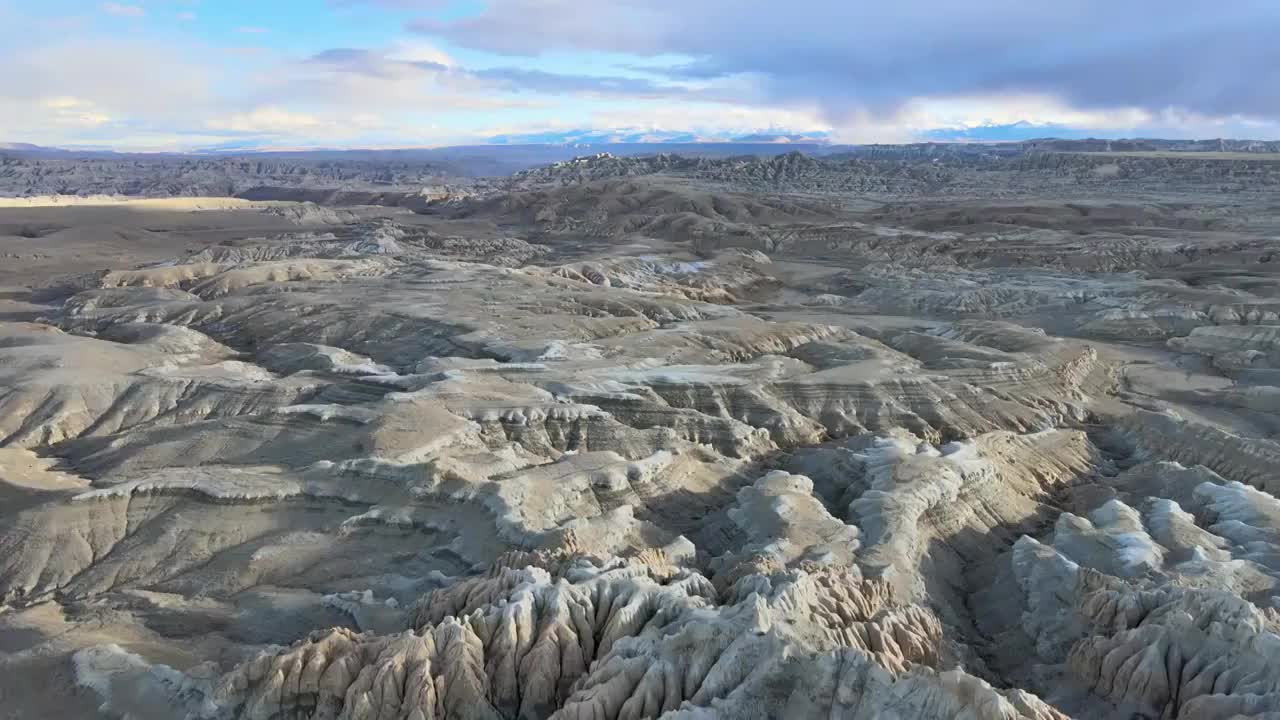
1212	58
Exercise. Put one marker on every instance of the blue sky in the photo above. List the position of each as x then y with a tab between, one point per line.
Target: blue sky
186	74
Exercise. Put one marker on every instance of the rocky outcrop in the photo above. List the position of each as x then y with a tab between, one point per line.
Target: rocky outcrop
617	439
604	640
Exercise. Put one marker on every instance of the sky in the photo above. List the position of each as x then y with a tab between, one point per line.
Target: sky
208	74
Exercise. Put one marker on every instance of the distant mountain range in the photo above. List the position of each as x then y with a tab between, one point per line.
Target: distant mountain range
988	133
29	148
503	154
628	136
1009	132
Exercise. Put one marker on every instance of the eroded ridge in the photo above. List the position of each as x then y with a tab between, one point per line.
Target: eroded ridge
617	439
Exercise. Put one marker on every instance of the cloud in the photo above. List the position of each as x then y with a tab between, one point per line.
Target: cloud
120	77
88	91
857	57
72	111
546	82
419	52
279	121
431	62
392	81
858	70
266	120
362	61
252	30
123	10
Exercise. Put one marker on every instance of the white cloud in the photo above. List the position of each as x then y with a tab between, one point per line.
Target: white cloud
66	110
277	121
402	79
251	30
120	10
156	80
64	84
858	56
419	52
270	120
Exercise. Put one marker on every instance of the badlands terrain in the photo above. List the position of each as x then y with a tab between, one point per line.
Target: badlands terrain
899	433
